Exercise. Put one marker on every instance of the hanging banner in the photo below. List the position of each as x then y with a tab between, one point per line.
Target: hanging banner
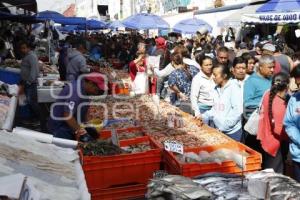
272	18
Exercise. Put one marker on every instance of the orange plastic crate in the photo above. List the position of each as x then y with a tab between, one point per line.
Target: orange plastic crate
118	193
105	134
173	166
110	171
116	88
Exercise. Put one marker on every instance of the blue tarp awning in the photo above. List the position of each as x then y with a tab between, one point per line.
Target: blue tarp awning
93	25
19	18
275	11
280	6
60	19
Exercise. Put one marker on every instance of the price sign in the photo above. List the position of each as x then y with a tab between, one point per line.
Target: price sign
173	146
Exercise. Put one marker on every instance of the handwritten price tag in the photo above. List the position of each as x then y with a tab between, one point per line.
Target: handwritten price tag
173	146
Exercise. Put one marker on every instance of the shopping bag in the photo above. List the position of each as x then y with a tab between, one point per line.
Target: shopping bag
140	84
152	61
252	124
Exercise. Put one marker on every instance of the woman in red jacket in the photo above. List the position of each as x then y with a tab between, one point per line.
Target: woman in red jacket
271	132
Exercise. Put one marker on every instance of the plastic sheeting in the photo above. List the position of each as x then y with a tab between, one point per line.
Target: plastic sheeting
55	172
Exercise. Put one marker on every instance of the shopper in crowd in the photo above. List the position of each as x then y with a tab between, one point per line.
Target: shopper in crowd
76	61
70	109
138	64
202	86
226	112
292	125
29	75
180	81
63	58
250	62
162	51
254	88
239	72
285	61
271	132
222	57
269	49
186	56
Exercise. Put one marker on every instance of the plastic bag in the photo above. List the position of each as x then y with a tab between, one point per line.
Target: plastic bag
141	83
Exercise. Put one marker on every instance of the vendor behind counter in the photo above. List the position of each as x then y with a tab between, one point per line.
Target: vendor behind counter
68	111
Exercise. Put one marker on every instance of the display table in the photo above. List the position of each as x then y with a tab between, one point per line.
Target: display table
9	120
10	75
48	94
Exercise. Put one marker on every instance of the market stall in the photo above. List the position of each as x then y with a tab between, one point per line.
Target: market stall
145	125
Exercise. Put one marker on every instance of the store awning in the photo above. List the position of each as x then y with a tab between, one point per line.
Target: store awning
234	20
275	11
29	5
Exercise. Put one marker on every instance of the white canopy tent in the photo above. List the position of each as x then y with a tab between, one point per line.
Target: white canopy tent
234	20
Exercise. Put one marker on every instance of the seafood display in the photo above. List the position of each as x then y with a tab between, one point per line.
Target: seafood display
11	63
225	186
100	148
217	156
141	147
160	120
48	69
218	186
4	107
269	185
176	187
114	75
130	135
106	148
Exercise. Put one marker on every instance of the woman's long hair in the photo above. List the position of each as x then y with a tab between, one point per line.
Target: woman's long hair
280	82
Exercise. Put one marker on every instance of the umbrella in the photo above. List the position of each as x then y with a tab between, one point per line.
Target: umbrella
115	25
144	21
191	26
93	24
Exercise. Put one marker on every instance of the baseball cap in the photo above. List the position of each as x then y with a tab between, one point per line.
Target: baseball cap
98	79
269	47
160	41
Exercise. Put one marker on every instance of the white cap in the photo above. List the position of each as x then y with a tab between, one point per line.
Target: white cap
269	47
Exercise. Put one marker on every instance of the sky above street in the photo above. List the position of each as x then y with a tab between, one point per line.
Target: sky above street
55	5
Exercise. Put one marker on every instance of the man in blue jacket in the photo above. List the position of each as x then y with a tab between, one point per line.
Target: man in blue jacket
254	88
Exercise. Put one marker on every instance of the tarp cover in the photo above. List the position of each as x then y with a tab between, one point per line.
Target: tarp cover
275	11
